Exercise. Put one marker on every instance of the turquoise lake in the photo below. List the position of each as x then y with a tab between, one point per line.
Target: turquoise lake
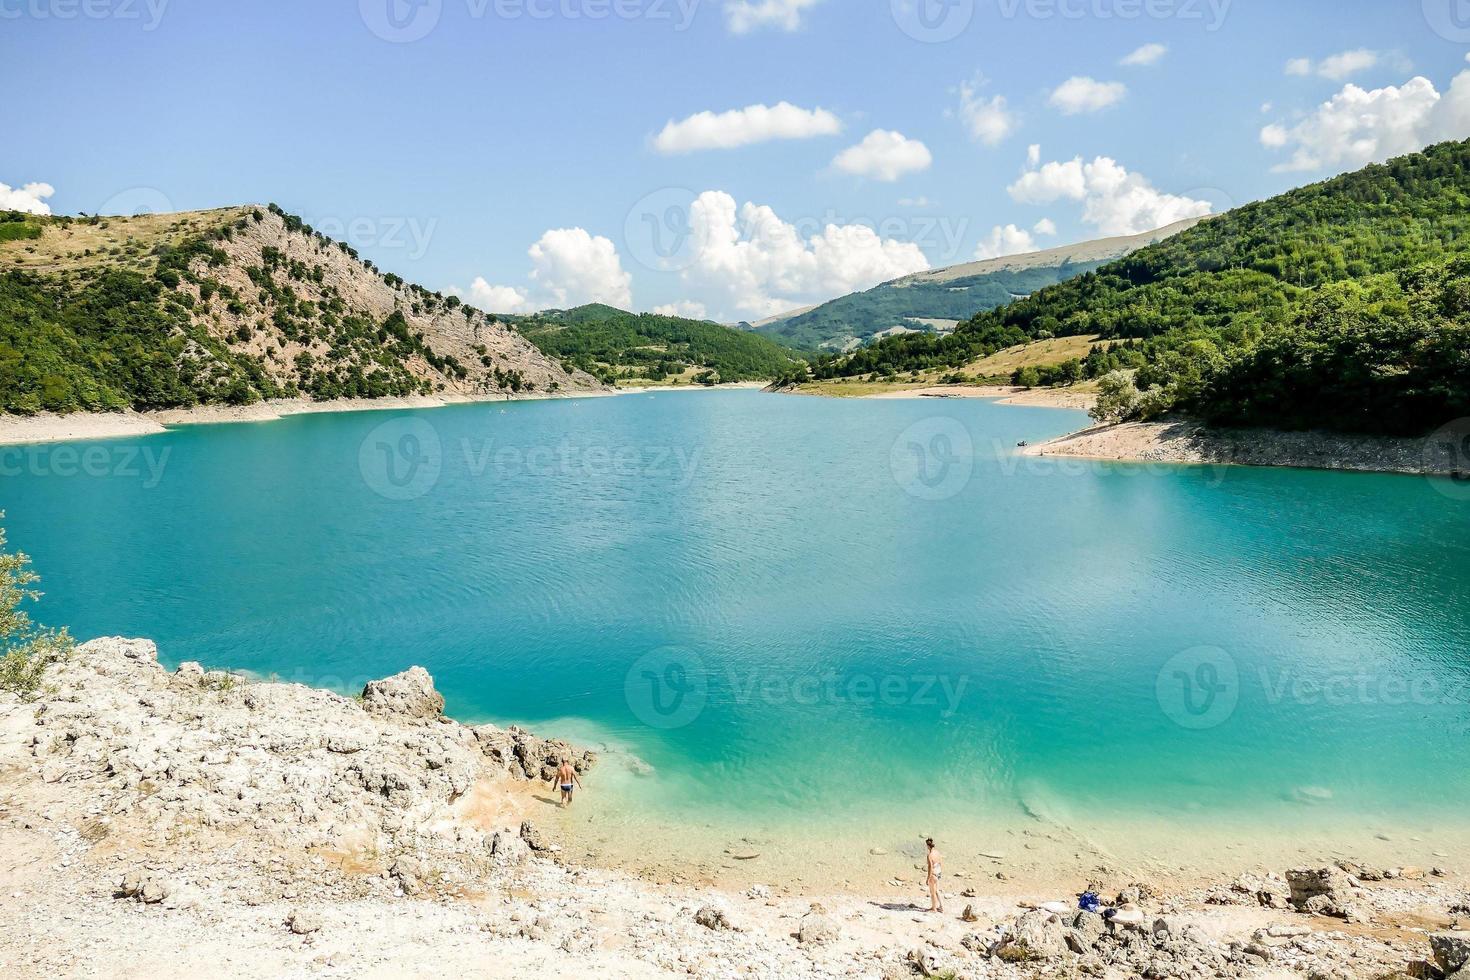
806	621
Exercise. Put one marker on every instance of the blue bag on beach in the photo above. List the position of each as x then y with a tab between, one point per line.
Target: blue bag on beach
1088	902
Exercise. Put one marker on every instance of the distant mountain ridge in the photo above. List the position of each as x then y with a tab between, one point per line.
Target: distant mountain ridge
232	306
952	294
613	344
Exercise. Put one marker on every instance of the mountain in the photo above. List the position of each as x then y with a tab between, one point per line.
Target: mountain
940	299
1343	305
613	344
232	306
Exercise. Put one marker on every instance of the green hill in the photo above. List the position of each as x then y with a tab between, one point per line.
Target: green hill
1343	305
614	345
938	300
231	306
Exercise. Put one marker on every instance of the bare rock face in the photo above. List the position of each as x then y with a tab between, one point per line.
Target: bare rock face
1451	950
409	695
184	755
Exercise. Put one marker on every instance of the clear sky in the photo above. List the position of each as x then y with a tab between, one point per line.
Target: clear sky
547	152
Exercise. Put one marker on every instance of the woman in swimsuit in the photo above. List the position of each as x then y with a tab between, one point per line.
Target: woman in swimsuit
936	871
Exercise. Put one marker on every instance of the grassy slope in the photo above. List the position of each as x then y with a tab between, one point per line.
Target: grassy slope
613	343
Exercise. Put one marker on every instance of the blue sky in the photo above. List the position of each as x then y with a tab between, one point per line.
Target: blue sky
449	157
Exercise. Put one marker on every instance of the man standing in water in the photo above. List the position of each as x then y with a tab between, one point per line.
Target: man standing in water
567	777
936	871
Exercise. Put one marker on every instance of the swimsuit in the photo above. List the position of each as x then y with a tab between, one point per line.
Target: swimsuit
566	787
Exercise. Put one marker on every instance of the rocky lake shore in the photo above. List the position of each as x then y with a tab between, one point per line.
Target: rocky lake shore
194	823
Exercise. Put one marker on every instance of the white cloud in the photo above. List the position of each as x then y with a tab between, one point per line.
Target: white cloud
687	309
884	155
1045	226
1357	126
1113	200
1275	136
1003	241
988	120
915	202
1337	67
569	267
28	198
495	299
742	127
1082	94
1348	63
1033	155
744	16
748	263
1149	54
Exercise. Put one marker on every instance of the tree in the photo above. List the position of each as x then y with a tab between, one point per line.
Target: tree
26	650
1027	377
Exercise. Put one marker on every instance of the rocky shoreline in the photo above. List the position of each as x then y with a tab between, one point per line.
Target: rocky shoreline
17	430
194	823
1186	441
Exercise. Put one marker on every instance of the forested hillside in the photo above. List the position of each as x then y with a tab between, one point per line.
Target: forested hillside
231	306
1343	305
952	294
615	345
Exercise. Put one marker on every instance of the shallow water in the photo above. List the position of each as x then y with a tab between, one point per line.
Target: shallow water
821	624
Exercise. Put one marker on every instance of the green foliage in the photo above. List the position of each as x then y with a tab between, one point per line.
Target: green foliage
862	315
15	227
1338	306
651	346
26	650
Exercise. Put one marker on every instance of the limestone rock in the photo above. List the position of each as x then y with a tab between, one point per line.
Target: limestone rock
816	927
303	922
1451	950
712	917
1309	883
1034	936
408	695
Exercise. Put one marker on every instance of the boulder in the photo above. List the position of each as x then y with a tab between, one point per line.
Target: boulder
1309	883
409	695
817	927
1034	936
1451	950
1089	925
535	840
303	922
713	917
